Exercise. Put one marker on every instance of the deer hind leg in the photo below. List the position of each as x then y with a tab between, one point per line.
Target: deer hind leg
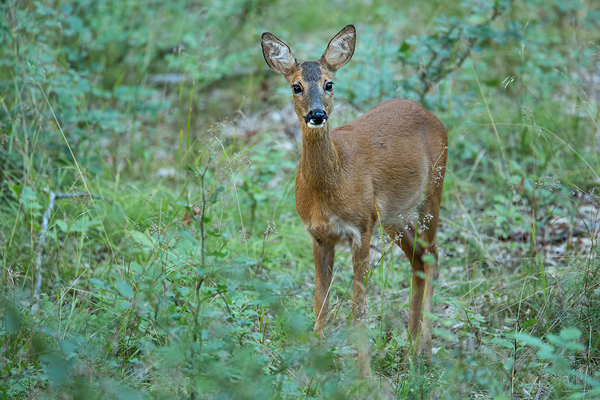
323	252
429	222
411	244
360	261
423	275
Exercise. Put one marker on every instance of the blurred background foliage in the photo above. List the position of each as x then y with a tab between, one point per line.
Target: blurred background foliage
149	246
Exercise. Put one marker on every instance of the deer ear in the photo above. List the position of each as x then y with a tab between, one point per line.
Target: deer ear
340	49
277	54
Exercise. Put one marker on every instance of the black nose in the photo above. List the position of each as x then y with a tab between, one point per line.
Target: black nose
316	117
319	117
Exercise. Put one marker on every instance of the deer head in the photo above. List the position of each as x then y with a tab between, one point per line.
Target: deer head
311	81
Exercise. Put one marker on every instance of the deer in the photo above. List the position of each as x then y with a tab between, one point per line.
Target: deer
385	168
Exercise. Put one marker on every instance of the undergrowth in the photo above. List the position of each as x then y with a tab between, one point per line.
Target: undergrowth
149	245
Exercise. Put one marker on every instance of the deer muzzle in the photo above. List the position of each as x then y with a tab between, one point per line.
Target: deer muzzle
315	118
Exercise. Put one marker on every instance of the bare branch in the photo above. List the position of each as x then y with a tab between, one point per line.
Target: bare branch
45	218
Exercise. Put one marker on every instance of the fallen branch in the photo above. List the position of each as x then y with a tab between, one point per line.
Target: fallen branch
45	218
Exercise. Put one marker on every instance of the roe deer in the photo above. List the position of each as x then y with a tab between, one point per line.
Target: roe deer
382	167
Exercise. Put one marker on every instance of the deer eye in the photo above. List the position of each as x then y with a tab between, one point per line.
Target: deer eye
329	86
297	89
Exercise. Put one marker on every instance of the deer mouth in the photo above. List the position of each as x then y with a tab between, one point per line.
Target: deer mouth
314	126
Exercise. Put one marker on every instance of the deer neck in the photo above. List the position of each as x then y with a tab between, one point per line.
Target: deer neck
321	161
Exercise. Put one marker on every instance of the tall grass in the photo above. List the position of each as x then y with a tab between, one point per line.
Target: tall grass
173	263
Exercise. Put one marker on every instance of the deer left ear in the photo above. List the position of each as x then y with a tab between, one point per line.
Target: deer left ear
340	49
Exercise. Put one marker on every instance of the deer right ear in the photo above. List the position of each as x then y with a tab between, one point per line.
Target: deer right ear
277	54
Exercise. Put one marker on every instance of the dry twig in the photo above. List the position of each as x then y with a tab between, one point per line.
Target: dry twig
45	218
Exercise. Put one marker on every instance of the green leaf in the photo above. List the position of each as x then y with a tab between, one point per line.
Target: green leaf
67	347
547	353
503	342
530	340
188	236
529	322
29	199
143	239
428	259
15	190
404	47
574	346
62	225
97	282
124	288
218	254
83	224
76	23
137	268
570	333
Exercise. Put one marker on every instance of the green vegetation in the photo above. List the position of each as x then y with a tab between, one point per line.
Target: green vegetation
173	265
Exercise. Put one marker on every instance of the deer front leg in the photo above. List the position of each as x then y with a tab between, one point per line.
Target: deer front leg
360	261
323	252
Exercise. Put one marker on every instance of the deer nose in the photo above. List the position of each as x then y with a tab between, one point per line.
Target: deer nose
316	117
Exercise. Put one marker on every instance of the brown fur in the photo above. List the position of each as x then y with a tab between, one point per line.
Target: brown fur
390	161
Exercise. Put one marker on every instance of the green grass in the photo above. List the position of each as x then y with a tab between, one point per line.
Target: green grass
178	267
